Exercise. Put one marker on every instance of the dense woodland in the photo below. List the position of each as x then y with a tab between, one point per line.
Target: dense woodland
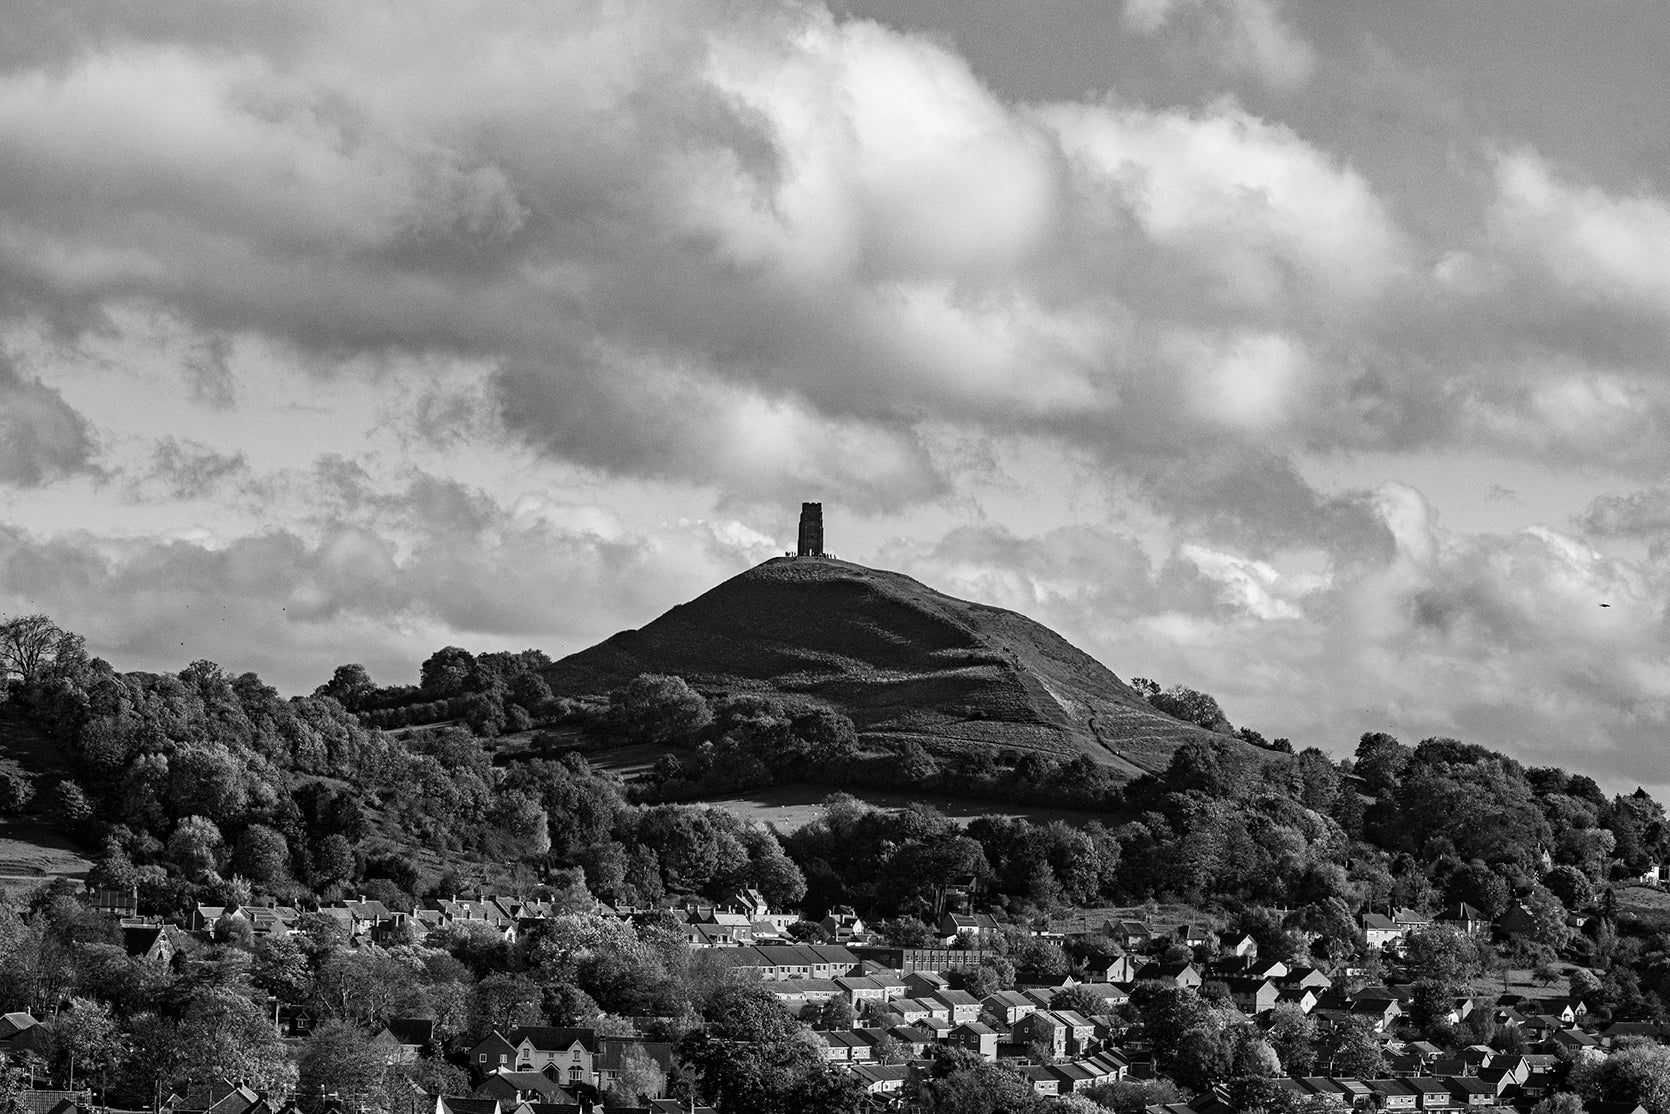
208	787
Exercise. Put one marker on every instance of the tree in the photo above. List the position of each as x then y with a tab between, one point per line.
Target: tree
1636	1073
350	686
640	1078
834	1015
1193	707
1133	1096
69	806
16	791
1293	1036
1351	1050
1561	1102
340	1059
281	968
654	708
1380	761
446	672
1568	883
86	1040
263	857
503	1000
960	1082
1445	955
222	1032
34	649
195	846
751	1055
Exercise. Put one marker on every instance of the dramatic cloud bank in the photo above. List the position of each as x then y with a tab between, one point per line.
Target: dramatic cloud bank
373	327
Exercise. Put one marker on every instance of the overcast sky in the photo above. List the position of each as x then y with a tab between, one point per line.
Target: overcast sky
1313	355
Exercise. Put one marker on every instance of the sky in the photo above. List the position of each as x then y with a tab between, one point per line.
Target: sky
1313	355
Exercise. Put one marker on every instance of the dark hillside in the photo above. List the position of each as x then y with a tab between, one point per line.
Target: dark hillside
901	659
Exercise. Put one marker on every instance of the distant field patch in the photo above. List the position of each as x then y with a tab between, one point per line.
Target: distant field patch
1647	904
787	808
31	854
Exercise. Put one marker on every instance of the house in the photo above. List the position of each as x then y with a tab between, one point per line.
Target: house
1131	934
964	926
1184	975
1410	921
293	1023
907	1011
1470	1090
217	1096
1305	977
1378	930
963	1005
842	1044
1432	1093
1043	1028
882	1079
843	923
749	902
512	1088
1465	918
567	1055
798	993
1253	996
1063	1031
1394	1094
791	961
1242	945
920	984
20	1032
978	1038
1043	1080
863	988
1193	935
1008	1006
452	1104
1111	968
153	943
1611	1033
404	1039
115	902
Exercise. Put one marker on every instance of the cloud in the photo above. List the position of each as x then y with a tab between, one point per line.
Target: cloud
42	438
1497	639
758	249
1241	38
1636	514
190	470
383	575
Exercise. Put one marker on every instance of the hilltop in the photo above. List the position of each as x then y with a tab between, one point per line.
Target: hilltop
902	660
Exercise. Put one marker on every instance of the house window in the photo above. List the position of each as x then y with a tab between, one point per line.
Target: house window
574	1075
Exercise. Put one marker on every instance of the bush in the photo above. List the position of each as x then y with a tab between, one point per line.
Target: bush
16	791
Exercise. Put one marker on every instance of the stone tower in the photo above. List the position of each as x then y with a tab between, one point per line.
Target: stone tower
811	530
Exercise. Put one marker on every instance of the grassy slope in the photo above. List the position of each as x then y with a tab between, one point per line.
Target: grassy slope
903	660
30	851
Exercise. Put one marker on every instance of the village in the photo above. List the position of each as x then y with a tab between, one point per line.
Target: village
879	1010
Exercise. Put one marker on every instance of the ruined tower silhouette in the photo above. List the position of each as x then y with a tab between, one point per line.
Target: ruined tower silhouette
811	530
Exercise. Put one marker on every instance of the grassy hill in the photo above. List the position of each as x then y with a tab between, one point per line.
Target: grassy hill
901	659
30	851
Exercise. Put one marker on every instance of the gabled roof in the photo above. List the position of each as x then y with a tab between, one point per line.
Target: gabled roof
416	1031
550	1038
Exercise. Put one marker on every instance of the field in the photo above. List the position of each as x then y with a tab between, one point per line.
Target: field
31	852
1647	904
786	808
